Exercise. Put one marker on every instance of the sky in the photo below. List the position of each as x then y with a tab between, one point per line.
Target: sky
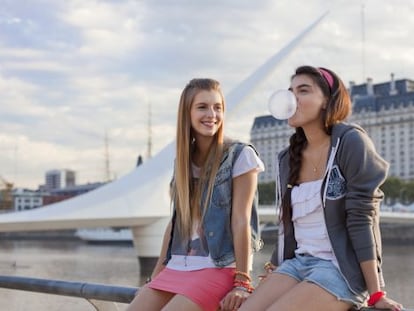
74	72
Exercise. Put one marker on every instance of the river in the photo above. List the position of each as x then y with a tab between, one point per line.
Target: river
117	265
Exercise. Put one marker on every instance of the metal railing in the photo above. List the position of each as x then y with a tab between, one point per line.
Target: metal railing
94	293
88	291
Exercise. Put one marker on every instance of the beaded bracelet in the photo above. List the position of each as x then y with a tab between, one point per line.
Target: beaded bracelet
245	285
243	274
375	297
268	266
247	290
238	283
242	283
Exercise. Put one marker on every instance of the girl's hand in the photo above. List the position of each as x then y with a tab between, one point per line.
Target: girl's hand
387	303
268	268
233	299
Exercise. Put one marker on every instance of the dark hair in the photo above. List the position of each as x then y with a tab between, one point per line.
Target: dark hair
338	108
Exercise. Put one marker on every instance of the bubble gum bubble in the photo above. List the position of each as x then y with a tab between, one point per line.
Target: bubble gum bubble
282	104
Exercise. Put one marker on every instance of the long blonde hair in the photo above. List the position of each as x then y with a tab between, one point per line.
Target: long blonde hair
186	195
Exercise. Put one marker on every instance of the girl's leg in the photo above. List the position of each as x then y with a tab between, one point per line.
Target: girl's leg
149	299
180	303
273	287
308	296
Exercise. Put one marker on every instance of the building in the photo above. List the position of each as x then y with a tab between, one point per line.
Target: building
384	110
25	199
58	179
62	194
269	136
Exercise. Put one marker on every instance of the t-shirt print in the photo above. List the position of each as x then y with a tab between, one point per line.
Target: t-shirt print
197	246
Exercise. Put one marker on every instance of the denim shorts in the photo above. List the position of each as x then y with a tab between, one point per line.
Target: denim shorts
322	273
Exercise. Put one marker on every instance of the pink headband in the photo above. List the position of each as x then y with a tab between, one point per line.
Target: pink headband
327	76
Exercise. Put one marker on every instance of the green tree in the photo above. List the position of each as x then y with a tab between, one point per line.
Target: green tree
398	190
409	192
392	188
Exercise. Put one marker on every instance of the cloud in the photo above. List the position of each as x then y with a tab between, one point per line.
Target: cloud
72	71
106	29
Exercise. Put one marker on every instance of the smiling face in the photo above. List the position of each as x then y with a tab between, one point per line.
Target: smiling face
311	102
206	114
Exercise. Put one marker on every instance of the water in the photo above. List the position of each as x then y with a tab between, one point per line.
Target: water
118	265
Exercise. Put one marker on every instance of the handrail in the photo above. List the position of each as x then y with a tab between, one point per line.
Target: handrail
95	291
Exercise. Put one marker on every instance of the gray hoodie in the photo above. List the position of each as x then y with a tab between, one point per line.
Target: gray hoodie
351	199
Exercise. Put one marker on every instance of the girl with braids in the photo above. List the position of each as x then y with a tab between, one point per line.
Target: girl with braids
206	254
328	179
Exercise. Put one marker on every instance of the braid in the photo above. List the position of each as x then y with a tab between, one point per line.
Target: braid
297	144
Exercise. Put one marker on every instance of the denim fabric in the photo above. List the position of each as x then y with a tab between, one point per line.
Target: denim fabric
217	224
322	273
217	219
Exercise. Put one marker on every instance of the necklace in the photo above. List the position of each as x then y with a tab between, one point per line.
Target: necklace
315	168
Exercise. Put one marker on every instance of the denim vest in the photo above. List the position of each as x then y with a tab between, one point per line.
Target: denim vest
217	219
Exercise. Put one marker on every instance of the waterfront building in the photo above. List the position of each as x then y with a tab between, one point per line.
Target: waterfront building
384	110
58	179
57	195
25	199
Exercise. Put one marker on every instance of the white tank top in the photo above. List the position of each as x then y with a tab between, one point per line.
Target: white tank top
309	221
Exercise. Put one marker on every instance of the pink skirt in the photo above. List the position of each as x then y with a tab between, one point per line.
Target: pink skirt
206	287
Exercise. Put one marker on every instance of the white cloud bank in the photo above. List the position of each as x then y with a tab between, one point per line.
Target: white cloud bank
72	70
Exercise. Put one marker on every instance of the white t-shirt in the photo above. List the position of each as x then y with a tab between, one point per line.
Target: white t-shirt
247	161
